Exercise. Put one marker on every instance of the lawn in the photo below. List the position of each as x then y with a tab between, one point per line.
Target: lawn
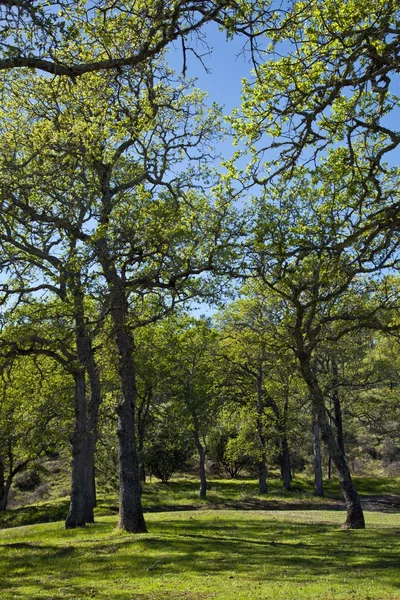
206	554
205	550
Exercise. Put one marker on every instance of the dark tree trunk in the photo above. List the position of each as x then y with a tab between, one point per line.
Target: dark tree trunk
262	476
81	505
4	493
285	464
142	472
5	485
285	453
337	407
131	516
84	438
355	516
2	484
142	418
202	459
318	479
329	474
262	464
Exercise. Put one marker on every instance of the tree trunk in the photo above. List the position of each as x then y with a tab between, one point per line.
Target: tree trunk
262	476
84	438
285	464
285	453
142	418
5	486
81	505
131	516
202	459
262	464
355	516
337	407
318	479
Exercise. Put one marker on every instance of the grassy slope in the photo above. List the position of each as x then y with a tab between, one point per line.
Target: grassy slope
208	553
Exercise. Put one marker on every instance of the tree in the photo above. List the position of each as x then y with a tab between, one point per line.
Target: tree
129	201
333	85
256	356
330	293
32	418
58	330
169	444
71	38
190	348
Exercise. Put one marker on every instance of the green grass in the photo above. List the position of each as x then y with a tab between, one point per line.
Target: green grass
182	494
235	545
206	554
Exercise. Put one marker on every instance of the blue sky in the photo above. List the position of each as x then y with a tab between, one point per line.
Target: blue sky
227	66
227	69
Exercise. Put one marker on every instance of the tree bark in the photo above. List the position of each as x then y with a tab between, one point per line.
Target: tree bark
285	453
318	479
285	464
131	516
142	418
5	485
337	407
262	476
355	516
202	459
84	438
262	464
81	505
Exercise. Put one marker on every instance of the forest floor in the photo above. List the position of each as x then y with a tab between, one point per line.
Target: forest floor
235	545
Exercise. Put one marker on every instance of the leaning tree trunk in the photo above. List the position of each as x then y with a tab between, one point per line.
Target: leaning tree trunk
337	407
3	496
318	479
6	482
355	515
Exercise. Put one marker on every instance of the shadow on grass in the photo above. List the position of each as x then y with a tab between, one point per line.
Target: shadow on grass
46	512
241	494
253	549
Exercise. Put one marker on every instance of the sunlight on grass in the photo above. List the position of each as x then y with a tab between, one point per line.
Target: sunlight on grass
235	545
206	554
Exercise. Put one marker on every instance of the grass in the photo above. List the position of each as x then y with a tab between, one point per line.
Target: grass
198	550
206	554
182	494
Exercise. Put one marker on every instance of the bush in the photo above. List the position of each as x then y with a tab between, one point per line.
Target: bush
167	451
226	451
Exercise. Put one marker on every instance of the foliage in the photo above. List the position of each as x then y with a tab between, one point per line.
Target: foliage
168	446
227	450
